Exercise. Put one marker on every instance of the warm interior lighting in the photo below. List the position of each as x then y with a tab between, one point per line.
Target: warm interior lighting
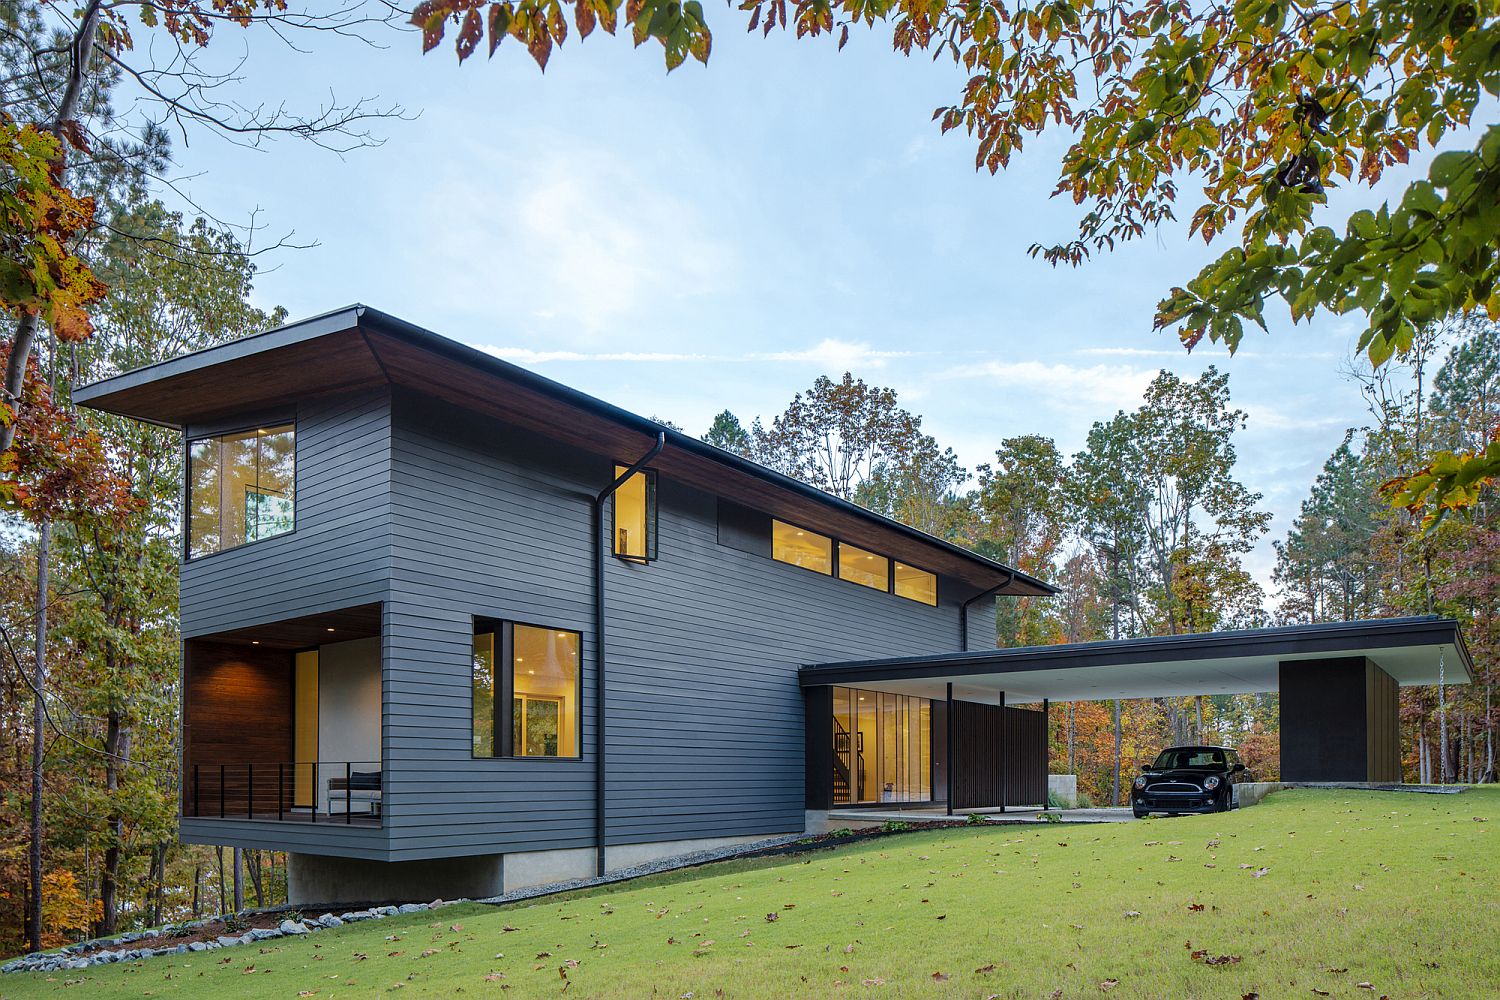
916	584
863	567
330	629
634	518
806	549
255	642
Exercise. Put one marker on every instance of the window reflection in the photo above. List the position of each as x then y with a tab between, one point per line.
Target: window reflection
240	488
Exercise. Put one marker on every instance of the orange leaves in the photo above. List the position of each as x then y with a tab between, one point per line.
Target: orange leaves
541	25
39	273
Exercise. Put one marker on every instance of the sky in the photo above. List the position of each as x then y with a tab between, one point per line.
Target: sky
718	237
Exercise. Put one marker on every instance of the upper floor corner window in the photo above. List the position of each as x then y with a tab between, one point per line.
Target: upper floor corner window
240	488
916	584
808	549
635	516
865	568
525	690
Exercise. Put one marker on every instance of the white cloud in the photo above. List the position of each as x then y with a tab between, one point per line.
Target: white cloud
830	353
1097	386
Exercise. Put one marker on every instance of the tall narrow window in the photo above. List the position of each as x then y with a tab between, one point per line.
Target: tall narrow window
808	549
635	516
882	747
240	488
864	568
305	728
916	584
525	690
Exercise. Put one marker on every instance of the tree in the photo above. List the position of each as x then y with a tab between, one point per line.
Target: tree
853	440
1263	105
1022	519
728	433
1326	569
56	59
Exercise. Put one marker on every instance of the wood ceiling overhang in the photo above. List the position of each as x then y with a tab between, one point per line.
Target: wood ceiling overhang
360	347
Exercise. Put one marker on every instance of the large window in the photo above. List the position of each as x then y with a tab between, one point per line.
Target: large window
240	488
808	549
864	568
525	688
882	747
635	516
915	584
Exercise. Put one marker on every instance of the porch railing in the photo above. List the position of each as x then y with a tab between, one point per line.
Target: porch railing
316	791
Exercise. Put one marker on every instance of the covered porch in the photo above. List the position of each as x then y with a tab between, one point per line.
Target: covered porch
282	721
987	745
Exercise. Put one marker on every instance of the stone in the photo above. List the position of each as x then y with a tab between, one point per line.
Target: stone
411	908
292	927
264	933
197	946
329	920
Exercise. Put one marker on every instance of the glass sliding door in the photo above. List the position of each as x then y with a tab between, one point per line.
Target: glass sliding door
882	747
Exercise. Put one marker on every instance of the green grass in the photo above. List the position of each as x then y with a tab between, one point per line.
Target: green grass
1400	891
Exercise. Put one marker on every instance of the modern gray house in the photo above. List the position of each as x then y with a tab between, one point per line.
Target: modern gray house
451	628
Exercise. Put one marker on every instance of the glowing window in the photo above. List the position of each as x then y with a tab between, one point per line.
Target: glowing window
530	707
240	488
808	549
916	584
635	516
864	568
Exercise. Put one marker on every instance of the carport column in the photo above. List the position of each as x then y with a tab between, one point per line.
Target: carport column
1339	721
1004	753
948	729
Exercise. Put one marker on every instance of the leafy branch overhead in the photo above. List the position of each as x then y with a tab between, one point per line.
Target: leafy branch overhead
1264	105
540	24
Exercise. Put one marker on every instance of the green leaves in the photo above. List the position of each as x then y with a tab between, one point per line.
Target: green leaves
539	25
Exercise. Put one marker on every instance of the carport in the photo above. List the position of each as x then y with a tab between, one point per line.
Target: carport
1338	684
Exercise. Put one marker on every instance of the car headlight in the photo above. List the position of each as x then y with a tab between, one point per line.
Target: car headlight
1211	782
1140	783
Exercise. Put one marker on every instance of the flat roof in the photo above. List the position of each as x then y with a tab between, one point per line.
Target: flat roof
358	347
1412	650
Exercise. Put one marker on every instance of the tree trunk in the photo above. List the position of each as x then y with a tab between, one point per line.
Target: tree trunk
1115	789
1072	758
239	879
257	881
1198	708
223	890
38	740
197	882
116	748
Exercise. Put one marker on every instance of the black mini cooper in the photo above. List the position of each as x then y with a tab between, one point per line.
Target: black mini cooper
1188	780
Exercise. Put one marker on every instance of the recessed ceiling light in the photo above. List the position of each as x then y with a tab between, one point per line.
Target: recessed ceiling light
255	642
329	629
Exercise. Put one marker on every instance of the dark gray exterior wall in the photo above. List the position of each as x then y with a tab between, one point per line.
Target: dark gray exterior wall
705	716
1339	721
442	515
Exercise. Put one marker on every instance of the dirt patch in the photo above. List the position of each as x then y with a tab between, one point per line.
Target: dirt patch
210	930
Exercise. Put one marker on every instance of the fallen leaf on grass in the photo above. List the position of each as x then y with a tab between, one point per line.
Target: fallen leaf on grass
1364	986
1195	907
1222	960
1321	993
771	918
875	982
940	977
544	954
1129	914
428	953
1260	873
494	976
1108	985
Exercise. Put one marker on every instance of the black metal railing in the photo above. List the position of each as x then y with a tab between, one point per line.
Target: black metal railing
315	791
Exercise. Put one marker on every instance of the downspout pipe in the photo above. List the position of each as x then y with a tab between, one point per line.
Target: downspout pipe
963	609
600	770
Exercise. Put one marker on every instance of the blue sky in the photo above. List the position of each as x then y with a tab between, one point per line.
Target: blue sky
718	237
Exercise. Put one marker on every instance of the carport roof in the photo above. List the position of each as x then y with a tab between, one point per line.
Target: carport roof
1411	650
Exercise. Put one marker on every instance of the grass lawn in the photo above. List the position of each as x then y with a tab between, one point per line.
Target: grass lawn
1312	893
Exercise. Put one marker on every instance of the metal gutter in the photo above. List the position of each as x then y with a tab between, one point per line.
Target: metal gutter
365	317
601	799
963	609
686	442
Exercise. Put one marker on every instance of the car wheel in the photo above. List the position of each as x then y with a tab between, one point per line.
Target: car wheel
1138	813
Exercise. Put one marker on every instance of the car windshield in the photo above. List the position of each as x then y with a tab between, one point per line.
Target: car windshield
1202	757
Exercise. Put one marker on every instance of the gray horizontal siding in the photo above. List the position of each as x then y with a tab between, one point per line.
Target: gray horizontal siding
339	554
299	838
705	717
